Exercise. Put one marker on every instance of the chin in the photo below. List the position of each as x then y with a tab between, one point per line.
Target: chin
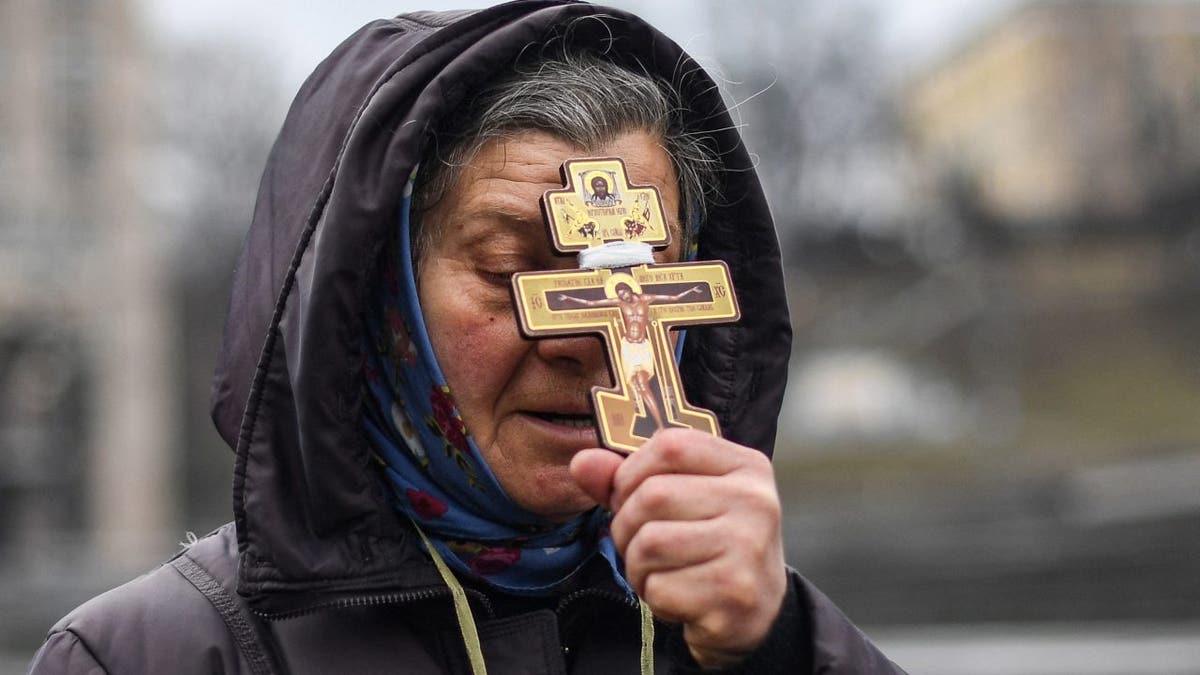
552	495
564	516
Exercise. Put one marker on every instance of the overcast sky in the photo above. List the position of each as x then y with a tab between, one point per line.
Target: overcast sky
297	35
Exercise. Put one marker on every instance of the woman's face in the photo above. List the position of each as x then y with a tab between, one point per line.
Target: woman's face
525	402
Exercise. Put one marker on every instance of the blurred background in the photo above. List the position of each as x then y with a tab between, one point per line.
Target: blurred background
990	214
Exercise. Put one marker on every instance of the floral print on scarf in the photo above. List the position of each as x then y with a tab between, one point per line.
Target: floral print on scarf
437	474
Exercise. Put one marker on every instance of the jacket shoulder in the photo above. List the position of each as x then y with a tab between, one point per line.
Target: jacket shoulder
157	623
64	652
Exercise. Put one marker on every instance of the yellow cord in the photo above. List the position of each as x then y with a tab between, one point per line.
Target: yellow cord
466	622
647	638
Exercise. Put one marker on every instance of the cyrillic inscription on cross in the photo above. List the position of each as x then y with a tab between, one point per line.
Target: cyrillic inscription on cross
633	308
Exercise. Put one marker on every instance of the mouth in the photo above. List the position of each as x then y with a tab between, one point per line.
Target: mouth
575	421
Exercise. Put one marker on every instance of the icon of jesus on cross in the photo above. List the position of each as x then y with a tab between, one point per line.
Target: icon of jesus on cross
633	303
636	350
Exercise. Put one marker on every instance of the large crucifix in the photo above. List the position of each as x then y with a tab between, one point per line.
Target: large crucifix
631	306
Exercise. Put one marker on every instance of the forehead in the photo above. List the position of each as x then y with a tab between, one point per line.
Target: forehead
506	178
535	157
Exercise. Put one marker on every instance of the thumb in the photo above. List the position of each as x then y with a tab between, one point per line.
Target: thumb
593	471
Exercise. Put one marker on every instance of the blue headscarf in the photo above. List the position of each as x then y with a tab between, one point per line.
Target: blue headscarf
438	476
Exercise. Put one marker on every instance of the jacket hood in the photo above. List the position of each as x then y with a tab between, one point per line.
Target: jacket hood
312	515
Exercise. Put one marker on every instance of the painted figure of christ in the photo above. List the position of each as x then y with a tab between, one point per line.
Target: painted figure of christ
636	349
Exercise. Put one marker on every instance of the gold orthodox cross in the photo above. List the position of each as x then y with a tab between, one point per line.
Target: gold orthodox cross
632	307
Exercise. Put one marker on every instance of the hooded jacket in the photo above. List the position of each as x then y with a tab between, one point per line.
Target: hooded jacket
318	573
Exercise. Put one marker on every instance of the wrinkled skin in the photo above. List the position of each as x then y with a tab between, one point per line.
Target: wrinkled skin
525	402
697	518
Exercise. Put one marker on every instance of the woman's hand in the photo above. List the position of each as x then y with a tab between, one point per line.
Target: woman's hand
697	520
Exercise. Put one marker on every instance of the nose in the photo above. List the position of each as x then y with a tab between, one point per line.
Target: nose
582	356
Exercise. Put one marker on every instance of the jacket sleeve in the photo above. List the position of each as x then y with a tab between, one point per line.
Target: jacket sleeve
811	635
837	645
63	652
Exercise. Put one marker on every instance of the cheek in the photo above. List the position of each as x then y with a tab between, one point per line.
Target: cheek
474	350
478	348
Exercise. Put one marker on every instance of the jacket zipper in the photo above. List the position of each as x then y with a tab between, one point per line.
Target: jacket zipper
429	594
374	601
602	593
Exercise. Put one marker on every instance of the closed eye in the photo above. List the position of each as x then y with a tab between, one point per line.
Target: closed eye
497	278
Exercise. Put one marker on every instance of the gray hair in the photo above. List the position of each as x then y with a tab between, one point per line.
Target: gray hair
585	100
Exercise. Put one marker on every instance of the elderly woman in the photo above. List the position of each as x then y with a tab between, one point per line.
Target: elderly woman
417	486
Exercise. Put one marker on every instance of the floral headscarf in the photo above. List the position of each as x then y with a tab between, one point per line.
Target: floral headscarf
438	476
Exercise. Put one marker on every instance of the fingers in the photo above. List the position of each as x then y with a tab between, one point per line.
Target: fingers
593	471
674	597
610	478
697	520
726	611
674	522
665	546
669	497
682	451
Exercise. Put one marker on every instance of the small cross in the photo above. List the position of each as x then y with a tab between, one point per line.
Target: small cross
631	307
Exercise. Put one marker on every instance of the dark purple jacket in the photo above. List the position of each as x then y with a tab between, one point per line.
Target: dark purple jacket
317	573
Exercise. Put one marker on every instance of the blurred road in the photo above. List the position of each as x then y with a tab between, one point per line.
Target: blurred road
1045	649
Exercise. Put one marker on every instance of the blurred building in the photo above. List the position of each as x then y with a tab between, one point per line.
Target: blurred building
127	173
995	406
1070	110
1056	158
85	422
1064	141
